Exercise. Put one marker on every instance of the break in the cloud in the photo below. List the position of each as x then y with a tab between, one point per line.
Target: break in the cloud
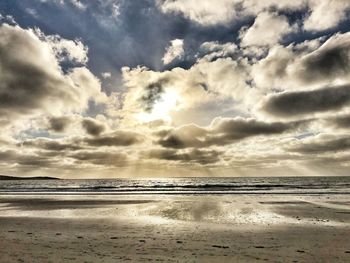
167	88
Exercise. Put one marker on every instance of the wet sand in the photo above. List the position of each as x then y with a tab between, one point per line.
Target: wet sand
232	228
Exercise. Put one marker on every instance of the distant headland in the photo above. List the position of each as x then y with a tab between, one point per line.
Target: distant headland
6	177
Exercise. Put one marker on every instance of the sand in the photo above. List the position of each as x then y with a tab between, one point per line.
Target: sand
228	228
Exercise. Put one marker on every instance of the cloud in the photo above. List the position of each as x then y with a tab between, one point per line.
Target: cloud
65	49
174	51
267	30
339	121
319	15
222	131
196	156
326	14
214	50
180	91
330	61
207	13
102	158
295	104
79	4
59	124
312	63
93	127
226	87
50	144
116	138
322	144
152	94
32	81
106	75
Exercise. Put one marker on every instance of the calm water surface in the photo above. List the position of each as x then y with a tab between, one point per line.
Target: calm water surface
209	185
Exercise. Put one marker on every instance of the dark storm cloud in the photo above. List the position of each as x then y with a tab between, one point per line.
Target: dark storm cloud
117	138
93	127
323	145
58	124
299	103
223	131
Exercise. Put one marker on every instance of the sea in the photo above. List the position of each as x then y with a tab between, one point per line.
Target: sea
190	186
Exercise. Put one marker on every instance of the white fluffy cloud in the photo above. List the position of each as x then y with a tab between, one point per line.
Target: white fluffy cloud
174	51
65	49
205	13
308	65
326	14
268	29
323	14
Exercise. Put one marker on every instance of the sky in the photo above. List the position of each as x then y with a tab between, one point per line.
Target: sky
166	88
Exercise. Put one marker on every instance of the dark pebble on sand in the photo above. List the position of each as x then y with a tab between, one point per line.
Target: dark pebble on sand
347	252
58	234
79	237
179	242
11	231
29	233
142	240
114	238
301	251
259	247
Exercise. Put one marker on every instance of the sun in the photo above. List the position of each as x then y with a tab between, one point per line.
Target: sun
161	108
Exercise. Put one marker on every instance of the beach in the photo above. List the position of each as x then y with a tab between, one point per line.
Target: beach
175	228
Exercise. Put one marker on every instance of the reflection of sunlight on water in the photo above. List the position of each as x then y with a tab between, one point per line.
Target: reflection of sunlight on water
211	212
174	210
163	212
